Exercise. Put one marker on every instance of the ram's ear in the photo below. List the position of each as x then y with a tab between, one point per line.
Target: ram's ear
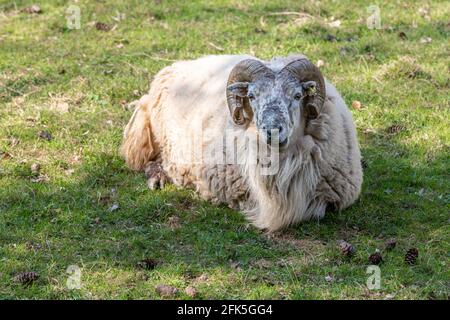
309	88
239	89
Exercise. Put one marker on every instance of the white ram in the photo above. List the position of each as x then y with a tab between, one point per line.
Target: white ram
181	129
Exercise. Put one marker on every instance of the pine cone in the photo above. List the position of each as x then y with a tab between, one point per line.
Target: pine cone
411	256
26	277
395	128
375	258
147	264
346	248
390	244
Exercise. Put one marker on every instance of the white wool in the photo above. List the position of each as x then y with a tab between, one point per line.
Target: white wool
185	115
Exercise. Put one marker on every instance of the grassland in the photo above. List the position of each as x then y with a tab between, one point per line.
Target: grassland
75	85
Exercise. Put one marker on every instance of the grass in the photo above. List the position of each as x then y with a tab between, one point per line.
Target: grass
74	84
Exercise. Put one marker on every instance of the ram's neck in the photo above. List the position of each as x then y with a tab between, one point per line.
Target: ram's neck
282	198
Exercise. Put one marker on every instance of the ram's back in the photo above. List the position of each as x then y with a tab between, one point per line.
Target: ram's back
195	105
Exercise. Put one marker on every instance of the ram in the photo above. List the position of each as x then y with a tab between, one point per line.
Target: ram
273	139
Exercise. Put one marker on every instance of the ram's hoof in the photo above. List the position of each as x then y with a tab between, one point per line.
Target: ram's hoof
156	177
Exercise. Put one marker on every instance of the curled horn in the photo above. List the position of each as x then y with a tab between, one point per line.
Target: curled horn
313	84
245	71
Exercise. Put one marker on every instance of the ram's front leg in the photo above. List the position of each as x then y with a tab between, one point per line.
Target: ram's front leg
156	176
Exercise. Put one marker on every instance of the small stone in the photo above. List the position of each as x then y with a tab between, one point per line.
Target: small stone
320	63
191	291
165	290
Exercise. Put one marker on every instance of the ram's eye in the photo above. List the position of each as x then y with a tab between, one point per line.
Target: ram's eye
297	96
251	96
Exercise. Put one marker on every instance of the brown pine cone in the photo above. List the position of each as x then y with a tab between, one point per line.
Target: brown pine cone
347	249
26	278
411	256
375	258
147	264
390	244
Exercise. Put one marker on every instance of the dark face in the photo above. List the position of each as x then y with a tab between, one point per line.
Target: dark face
276	103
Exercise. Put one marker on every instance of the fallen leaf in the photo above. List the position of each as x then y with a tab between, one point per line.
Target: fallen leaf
216	46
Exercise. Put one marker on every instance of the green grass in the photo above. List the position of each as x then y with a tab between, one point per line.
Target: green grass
64	220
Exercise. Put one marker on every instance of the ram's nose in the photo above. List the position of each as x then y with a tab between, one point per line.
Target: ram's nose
276	133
